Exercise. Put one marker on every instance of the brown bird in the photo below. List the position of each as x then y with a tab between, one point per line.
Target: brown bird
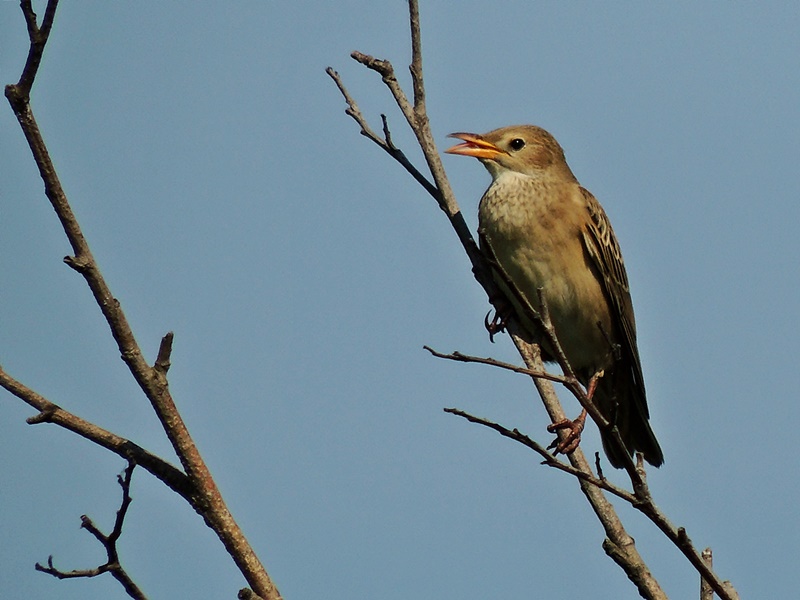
541	229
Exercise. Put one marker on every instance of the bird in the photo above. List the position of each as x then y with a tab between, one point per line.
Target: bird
540	229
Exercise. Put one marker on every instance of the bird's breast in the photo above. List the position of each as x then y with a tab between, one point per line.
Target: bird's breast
534	230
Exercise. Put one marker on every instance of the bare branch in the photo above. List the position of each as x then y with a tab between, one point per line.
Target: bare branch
625	553
619	545
205	498
384	142
38	36
549	459
416	60
641	499
52	413
466	358
706	591
109	542
644	500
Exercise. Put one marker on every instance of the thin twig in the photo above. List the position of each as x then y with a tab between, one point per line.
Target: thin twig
641	499
384	142
618	547
466	358
109	542
549	459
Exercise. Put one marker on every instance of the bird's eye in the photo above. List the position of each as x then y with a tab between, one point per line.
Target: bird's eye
517	144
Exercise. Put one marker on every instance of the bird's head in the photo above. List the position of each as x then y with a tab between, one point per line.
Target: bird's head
525	149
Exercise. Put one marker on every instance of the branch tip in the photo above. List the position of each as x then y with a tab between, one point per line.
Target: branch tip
45	416
162	363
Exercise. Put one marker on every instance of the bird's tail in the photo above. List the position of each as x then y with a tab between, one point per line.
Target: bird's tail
630	416
639	438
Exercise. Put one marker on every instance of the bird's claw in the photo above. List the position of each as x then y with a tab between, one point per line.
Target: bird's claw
572	439
502	313
496	325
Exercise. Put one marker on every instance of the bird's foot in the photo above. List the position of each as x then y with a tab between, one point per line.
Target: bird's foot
495	325
502	313
572	439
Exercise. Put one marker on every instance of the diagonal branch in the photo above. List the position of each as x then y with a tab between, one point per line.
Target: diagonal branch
459	357
640	499
442	194
205	498
618	545
384	142
626	555
52	413
549	459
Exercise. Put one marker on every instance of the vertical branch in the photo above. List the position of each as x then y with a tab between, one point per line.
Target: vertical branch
416	59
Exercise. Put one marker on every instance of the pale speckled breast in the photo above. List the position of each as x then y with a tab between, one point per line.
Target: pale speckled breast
534	231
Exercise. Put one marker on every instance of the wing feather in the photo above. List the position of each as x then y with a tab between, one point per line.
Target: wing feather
603	248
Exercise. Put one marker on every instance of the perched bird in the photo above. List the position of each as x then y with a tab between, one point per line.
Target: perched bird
541	229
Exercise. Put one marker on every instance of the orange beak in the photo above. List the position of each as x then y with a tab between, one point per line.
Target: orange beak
475	146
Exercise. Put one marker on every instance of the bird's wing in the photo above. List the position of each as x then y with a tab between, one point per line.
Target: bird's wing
603	248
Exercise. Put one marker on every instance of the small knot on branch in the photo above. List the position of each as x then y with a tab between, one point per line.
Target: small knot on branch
46	416
78	263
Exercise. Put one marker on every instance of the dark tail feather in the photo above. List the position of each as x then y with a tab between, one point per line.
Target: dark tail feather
629	414
639	437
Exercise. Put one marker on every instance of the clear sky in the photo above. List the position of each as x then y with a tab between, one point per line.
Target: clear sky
228	198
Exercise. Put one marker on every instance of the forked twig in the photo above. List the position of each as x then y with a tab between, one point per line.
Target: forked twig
384	142
109	542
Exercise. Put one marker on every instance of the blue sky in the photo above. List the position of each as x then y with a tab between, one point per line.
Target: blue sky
228	198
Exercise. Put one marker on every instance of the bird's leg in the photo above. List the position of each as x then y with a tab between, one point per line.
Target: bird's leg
593	383
572	439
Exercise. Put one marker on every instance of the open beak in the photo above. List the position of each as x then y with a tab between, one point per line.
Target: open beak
474	145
